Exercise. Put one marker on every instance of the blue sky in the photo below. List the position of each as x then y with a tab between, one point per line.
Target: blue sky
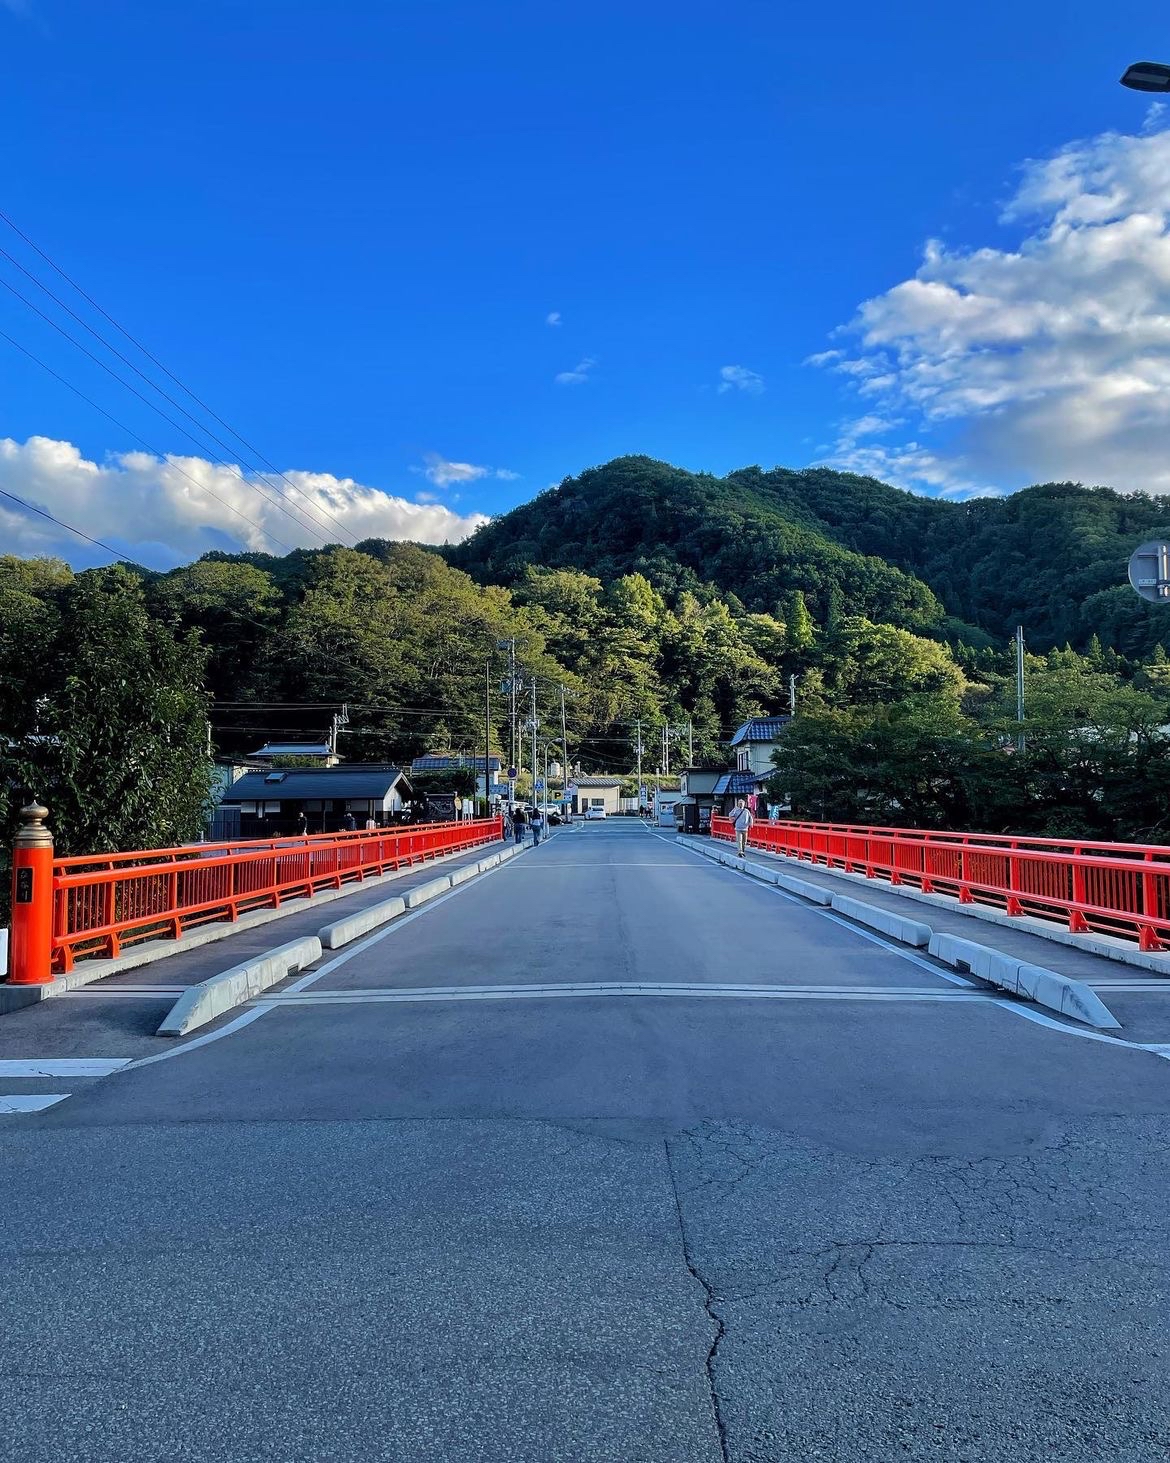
347	226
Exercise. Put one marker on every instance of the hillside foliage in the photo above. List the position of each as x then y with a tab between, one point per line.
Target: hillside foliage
652	595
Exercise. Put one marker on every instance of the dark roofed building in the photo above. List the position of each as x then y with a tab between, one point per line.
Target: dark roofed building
755	741
459	761
270	803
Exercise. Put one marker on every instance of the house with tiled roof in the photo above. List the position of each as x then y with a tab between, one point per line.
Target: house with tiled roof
271	802
752	745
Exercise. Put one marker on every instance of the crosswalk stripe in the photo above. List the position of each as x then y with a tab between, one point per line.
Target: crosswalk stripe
63	1066
30	1102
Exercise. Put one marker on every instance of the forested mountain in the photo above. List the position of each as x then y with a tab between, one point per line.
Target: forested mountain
1051	557
652	595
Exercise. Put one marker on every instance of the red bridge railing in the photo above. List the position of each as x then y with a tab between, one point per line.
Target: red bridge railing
1118	889
104	902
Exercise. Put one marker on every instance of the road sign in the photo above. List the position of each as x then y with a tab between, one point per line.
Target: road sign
540	784
511	774
1149	571
571	790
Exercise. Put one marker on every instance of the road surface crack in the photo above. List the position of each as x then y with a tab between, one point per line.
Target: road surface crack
709	1299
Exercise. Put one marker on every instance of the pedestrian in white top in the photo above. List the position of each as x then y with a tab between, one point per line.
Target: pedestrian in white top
741	822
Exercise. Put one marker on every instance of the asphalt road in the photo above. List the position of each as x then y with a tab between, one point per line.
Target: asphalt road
399	1212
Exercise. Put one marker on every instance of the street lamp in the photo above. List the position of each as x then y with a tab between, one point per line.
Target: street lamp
1147	76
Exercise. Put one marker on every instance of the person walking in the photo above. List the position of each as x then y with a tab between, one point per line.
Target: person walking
371	824
537	826
741	822
349	823
302	825
518	824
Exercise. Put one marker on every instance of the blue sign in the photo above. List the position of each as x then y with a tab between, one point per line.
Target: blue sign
540	784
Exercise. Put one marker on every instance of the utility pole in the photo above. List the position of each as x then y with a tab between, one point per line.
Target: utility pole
690	743
535	724
641	799
487	738
565	750
1020	743
340	719
792	694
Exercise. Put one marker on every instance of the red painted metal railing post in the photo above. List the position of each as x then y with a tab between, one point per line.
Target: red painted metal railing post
31	955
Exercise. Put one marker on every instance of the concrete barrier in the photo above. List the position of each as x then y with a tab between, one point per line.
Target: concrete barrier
342	931
491	862
1032	982
430	890
461	876
812	892
908	931
211	998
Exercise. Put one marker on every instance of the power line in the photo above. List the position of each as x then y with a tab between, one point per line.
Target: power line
60	522
142	442
97	360
316	508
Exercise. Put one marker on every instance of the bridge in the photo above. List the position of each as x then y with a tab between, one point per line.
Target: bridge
620	1148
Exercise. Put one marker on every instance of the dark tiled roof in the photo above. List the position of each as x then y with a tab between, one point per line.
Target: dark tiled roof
446	763
736	784
597	781
760	729
297	783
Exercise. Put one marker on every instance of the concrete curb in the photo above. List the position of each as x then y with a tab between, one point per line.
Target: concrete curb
211	998
343	931
908	931
430	890
812	892
1032	982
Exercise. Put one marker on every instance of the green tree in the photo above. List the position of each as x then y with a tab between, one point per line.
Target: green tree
107	722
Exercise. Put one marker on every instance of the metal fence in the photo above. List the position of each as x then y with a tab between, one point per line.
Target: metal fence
104	902
1118	889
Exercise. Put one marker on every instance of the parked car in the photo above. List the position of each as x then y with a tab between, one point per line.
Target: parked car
594	814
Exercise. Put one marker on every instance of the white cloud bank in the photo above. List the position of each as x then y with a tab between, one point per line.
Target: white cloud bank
171	510
1046	361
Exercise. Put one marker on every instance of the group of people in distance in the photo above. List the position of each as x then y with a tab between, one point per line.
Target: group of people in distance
522	820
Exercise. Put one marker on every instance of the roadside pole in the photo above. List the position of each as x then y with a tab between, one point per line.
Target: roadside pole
30	955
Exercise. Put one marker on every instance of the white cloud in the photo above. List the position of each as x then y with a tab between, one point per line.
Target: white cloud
578	375
553	317
739	378
442	472
1046	361
169	510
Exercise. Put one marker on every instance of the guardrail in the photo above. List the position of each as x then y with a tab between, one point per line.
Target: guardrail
103	902
1118	889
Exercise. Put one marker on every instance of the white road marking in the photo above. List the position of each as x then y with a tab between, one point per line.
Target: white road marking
564	990
63	1066
32	1103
